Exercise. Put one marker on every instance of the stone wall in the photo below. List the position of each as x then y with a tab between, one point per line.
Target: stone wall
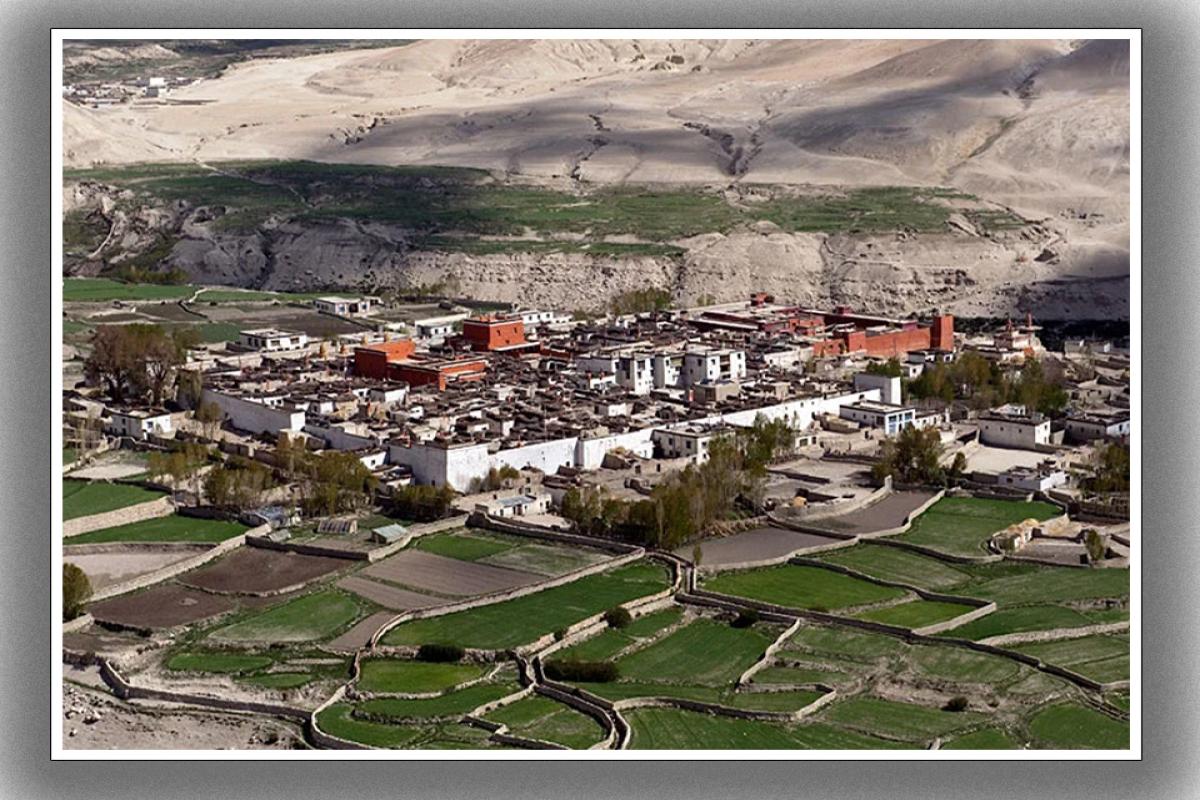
160	507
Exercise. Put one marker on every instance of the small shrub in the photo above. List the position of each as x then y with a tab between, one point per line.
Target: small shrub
585	671
957	704
618	617
76	589
440	653
560	634
746	618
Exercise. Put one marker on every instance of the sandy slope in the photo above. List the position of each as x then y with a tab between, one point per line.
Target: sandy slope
1041	126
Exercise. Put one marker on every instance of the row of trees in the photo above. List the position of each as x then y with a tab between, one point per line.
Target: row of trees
137	361
984	384
689	501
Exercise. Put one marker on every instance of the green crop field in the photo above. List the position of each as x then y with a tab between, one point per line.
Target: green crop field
625	690
515	622
600	647
174	528
862	646
1031	584
895	564
986	739
1019	620
337	721
543	719
703	652
917	614
464	546
652	623
961	525
674	729
773	701
84	498
797	586
451	704
308	618
217	662
414	677
278	680
99	290
960	664
900	720
1072	726
1101	658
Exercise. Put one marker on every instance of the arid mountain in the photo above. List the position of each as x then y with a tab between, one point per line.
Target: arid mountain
1038	127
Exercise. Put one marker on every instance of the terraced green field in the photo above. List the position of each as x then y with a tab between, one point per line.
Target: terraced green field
959	664
1074	726
174	528
465	546
218	662
961	525
798	675
861	646
899	720
337	721
985	739
392	675
674	729
100	290
84	498
1019	620
543	719
917	614
1011	585
309	618
704	652
515	622
896	564
278	680
1101	658
451	704
796	586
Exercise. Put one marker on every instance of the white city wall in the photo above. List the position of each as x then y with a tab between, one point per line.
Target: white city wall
254	417
456	466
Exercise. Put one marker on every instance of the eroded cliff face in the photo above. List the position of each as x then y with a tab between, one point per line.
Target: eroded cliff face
963	270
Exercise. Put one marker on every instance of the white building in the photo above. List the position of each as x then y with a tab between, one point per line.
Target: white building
712	366
270	339
140	424
635	372
888	417
533	319
668	370
1090	427
1032	480
1008	429
520	505
691	441
889	387
437	327
343	306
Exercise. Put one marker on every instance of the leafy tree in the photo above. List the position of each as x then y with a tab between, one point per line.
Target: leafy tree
238	484
136	360
1111	469
890	368
1096	544
335	482
911	457
697	554
179	465
638	301
114	361
76	589
618	617
209	415
189	387
959	466
422	503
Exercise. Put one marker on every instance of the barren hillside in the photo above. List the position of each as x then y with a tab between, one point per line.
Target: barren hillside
1039	127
